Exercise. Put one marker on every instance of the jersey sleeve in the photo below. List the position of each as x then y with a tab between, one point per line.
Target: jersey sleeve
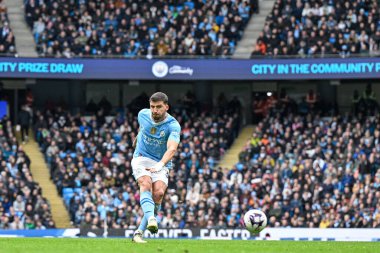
175	132
141	115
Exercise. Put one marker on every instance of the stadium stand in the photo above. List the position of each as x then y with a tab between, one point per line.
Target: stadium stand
320	28
137	28
7	39
314	171
89	158
22	205
302	169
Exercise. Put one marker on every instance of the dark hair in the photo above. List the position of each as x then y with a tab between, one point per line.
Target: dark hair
159	96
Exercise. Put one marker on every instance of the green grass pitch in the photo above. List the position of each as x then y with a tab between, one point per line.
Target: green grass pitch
96	245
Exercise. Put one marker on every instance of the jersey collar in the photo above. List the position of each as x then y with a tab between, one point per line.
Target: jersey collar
161	122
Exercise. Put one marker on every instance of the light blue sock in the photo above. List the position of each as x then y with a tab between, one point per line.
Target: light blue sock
147	204
143	224
144	221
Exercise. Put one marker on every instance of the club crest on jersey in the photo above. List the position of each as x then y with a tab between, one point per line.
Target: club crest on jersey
162	133
153	130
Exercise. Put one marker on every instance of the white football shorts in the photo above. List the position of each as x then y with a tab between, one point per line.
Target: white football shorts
139	165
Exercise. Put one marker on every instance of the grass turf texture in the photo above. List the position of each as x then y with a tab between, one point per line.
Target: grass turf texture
95	245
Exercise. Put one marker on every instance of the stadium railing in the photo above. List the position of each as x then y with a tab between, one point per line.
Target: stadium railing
202	57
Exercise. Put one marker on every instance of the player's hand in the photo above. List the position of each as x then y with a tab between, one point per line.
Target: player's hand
157	167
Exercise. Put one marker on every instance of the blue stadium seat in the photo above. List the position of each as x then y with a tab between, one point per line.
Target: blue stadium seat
67	190
19	214
66	199
190	5
219	20
67	193
117	137
153	29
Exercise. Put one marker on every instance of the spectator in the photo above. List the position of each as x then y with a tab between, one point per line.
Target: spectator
136	29
356	102
24	120
7	39
308	169
369	99
311	100
320	28
20	196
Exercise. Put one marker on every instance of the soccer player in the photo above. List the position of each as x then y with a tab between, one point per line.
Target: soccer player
156	144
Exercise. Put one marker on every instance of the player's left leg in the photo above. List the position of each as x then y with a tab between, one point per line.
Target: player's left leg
157	198
159	185
158	190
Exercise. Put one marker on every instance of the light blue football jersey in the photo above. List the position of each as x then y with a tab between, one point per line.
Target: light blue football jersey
153	137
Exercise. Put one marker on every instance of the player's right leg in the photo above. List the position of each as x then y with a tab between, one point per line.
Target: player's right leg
139	233
144	180
138	237
160	183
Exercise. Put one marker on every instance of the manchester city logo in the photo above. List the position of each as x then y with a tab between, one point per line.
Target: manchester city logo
160	69
162	133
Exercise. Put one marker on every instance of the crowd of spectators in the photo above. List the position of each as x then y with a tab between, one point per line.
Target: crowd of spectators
320	28
308	170
7	39
92	155
363	103
267	103
302	169
22	205
137	28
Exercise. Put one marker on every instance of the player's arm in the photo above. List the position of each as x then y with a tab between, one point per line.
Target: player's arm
168	155
170	152
135	140
139	115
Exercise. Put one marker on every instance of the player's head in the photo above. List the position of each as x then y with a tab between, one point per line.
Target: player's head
159	106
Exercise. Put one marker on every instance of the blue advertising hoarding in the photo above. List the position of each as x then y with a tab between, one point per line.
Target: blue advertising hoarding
3	108
195	69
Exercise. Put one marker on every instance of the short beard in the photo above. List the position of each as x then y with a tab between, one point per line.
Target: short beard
161	118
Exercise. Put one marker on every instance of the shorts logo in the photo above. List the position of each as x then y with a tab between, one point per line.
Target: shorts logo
153	130
160	69
138	171
162	133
